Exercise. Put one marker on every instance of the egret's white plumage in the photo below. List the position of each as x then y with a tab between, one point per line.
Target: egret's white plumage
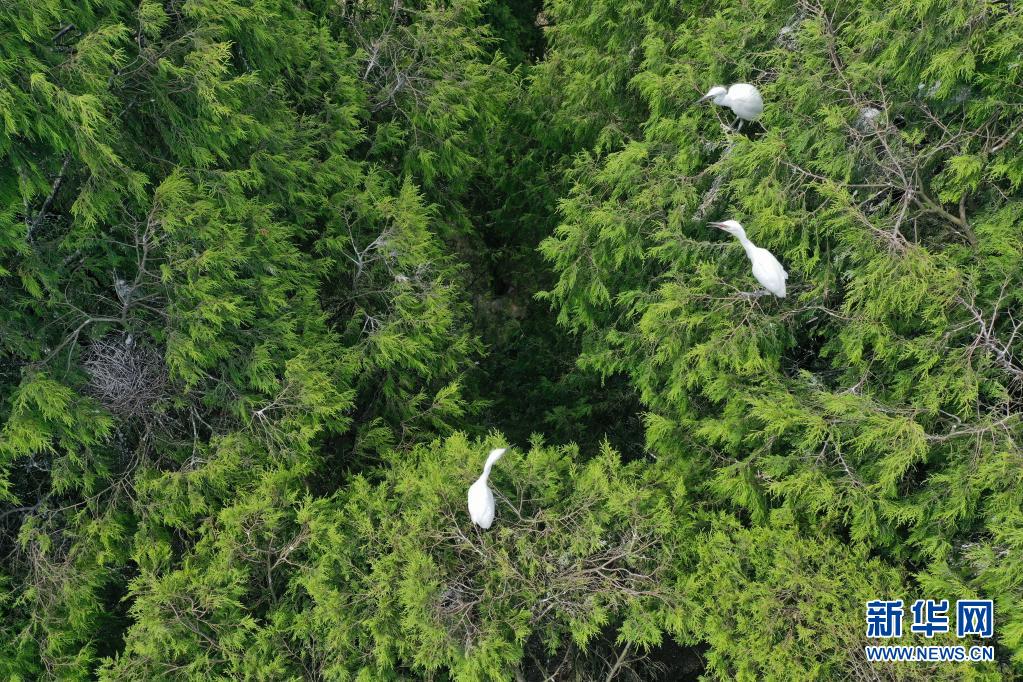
868	119
481	499
742	98
766	268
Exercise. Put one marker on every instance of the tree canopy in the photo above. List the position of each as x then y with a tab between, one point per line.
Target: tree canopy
275	276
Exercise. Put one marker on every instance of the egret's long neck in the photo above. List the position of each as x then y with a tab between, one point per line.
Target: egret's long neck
746	244
494	456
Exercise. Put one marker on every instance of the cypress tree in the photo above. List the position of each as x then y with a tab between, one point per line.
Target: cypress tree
275	276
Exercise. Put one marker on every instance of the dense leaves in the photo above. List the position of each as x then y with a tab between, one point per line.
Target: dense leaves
880	401
275	276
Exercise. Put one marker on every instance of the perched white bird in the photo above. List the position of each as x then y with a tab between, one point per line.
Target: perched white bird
868	119
742	98
766	268
481	499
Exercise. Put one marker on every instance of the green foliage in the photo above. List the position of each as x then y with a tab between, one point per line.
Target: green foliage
880	400
777	603
403	580
216	259
276	275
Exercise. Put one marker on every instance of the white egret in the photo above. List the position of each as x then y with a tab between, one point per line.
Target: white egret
867	119
481	498
742	98
766	268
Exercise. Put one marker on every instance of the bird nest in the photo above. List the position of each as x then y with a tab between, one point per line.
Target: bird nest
126	376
